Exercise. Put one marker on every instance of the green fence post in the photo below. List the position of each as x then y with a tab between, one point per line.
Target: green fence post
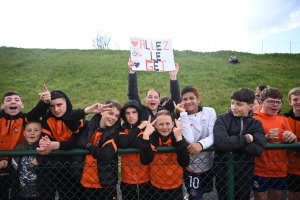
230	175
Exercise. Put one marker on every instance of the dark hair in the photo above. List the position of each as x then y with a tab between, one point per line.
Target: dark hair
33	121
192	89
164	99
153	90
10	93
271	92
243	95
262	87
165	112
57	95
115	104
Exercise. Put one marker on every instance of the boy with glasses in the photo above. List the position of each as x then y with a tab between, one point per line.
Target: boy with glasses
270	171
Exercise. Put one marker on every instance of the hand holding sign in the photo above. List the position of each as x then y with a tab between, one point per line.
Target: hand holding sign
173	73
151	55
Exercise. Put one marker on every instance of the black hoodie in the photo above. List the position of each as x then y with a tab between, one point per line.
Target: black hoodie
128	136
65	129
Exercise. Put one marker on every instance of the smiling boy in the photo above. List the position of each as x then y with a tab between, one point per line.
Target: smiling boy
24	185
12	121
271	167
293	115
237	131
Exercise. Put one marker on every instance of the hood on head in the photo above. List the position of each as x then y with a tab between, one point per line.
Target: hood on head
68	102
131	103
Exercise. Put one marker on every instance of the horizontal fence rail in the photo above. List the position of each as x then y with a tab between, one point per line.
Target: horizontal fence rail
66	172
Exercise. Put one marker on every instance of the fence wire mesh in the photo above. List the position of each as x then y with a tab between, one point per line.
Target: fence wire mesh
128	179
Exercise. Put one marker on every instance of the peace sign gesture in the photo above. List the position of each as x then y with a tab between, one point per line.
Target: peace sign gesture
179	107
149	129
178	130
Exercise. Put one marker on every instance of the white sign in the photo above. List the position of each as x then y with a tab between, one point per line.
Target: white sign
152	55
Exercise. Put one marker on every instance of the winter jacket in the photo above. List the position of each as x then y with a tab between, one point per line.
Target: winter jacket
133	94
11	127
65	129
198	127
229	135
28	190
132	170
100	169
166	169
294	154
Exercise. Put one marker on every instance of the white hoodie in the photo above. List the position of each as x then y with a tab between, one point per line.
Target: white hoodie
198	127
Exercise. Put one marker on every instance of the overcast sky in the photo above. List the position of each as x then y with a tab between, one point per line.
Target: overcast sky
254	26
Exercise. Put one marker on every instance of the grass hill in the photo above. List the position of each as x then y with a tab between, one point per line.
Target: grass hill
90	76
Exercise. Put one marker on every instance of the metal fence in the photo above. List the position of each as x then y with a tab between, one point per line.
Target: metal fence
64	180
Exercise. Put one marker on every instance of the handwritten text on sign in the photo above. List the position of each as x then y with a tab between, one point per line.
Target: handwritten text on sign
152	55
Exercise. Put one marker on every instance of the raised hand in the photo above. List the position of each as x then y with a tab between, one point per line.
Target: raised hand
173	73
98	108
143	124
178	130
179	107
45	95
130	65
149	129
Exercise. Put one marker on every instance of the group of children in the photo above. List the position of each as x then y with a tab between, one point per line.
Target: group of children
148	174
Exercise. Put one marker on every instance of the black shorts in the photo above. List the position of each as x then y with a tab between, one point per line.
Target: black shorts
293	183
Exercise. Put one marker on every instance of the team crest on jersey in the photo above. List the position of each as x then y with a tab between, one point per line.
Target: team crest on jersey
15	130
193	192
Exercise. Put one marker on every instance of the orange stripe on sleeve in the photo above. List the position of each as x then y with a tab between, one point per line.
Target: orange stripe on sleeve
113	143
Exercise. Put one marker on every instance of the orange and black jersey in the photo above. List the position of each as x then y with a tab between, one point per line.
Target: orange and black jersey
132	170
11	127
294	162
128	137
101	153
58	130
101	167
148	148
166	169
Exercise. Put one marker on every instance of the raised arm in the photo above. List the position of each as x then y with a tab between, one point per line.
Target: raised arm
133	92
42	106
174	90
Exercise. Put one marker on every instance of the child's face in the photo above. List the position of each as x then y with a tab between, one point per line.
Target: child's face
164	125
152	100
295	102
58	107
257	91
12	105
131	115
256	105
239	108
109	118
270	108
32	132
190	102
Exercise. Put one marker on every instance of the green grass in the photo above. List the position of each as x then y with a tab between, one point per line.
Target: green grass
90	76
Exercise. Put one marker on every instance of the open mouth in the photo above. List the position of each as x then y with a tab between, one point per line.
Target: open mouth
13	108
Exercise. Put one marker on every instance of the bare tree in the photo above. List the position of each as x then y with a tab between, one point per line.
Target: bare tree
102	40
